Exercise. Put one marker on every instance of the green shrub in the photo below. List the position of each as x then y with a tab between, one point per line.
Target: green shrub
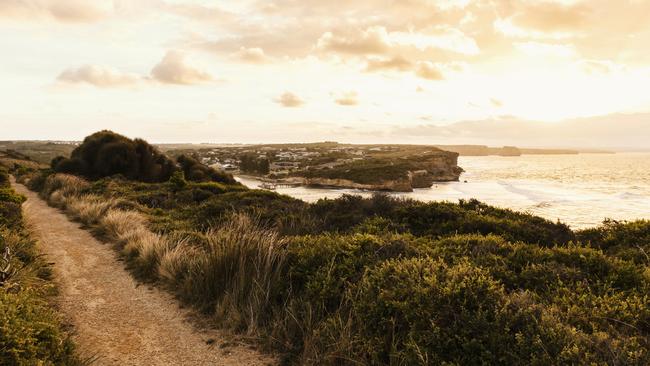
8	195
4	178
422	311
321	267
212	187
30	332
10	214
198	172
628	240
177	180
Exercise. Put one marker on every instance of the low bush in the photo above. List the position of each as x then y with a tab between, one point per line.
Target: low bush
4	177
10	214
30	330
8	195
30	333
628	240
197	172
422	311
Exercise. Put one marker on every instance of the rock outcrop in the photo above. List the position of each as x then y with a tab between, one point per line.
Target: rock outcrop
421	179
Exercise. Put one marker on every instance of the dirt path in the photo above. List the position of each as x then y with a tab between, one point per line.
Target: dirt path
114	318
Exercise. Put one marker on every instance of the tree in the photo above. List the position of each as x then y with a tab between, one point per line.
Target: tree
106	153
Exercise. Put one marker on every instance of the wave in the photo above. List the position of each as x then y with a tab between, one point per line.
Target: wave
630	196
532	195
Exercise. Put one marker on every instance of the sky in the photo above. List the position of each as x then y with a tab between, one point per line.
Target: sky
313	70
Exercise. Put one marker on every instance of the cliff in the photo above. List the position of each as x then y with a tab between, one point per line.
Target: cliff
481	150
399	185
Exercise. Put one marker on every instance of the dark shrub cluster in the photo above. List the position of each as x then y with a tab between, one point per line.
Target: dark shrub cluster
10	201
106	153
198	172
251	163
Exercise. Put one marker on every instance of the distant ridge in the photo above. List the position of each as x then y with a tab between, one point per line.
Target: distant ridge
617	132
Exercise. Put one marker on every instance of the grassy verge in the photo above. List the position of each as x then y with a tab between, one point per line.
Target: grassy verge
31	331
379	280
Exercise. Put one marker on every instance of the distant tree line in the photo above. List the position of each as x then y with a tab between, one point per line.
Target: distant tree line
251	163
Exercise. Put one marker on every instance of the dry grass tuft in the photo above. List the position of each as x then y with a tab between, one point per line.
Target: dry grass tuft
118	224
68	185
236	271
57	199
145	250
175	263
90	209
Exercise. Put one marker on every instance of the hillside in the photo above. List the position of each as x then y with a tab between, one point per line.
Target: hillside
378	280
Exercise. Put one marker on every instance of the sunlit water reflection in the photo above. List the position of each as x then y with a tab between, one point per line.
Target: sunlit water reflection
580	190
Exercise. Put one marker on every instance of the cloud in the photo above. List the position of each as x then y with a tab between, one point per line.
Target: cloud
289	100
496	102
394	63
98	75
174	69
430	71
440	37
209	14
251	55
546	49
373	40
69	11
597	67
552	16
347	99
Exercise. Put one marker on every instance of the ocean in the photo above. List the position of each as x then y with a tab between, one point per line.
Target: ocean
579	190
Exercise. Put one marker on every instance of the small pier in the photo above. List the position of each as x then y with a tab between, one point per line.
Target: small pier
272	186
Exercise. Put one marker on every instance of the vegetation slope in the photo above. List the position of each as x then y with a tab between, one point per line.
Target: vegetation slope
30	330
378	280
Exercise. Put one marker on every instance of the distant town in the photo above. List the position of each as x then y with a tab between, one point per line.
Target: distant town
280	160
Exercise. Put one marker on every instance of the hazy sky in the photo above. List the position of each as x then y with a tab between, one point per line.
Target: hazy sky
307	70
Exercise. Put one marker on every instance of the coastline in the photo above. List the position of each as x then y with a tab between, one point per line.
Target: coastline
580	190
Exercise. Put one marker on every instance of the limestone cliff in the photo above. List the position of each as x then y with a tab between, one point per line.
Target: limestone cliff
389	173
400	185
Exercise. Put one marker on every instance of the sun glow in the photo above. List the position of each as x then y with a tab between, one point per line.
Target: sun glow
216	66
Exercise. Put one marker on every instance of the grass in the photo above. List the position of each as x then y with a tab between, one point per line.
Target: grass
90	209
118	224
236	272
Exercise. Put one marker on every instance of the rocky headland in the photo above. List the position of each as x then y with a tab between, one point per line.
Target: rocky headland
398	174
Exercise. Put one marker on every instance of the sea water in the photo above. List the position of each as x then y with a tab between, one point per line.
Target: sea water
579	190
